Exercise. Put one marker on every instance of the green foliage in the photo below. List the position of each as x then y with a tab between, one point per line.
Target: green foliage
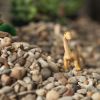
8	28
26	10
53	7
23	10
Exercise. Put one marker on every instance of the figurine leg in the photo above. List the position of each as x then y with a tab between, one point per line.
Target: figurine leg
66	64
77	65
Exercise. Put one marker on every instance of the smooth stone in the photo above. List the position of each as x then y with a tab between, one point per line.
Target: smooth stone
40	92
40	98
27	80
16	88
5	89
43	63
61	89
37	78
29	97
82	91
96	76
72	80
66	98
86	98
96	96
53	66
52	95
49	86
18	72
46	73
78	96
29	87
81	78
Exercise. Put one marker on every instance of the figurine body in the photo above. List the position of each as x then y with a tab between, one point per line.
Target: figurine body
70	57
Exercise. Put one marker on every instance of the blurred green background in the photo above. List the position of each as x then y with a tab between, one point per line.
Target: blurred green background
25	11
28	10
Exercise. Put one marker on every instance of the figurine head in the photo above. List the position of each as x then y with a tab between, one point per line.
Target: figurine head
67	35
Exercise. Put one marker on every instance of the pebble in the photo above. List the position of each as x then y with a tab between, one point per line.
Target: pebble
61	89
81	78
40	98
43	63
98	86
63	81
58	76
18	72
46	73
6	71
72	80
29	87
6	80
49	86
22	88
82	91
37	78
66	98
96	96
6	41
86	98
52	95
53	66
96	76
29	97
6	89
78	96
27	80
40	92
16	88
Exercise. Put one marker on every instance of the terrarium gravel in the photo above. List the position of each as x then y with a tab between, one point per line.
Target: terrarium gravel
28	73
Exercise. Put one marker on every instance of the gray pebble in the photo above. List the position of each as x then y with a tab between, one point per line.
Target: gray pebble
49	86
27	80
5	89
72	80
82	91
43	63
61	89
81	78
46	73
96	76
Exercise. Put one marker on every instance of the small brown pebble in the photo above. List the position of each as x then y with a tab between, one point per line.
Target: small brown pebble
3	34
86	82
5	79
18	72
69	92
89	93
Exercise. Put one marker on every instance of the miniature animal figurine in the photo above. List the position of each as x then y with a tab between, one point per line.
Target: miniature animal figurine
71	58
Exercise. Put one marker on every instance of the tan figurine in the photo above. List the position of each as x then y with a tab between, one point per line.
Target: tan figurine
70	57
